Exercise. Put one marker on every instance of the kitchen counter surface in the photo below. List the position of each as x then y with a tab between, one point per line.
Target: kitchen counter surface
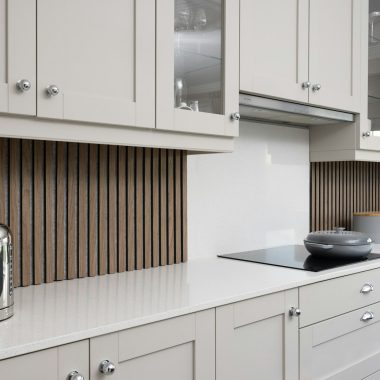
62	312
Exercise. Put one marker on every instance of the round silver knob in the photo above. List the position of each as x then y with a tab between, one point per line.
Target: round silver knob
367	316
75	375
306	85
52	90
366	134
316	87
235	116
294	312
23	85
367	288
106	367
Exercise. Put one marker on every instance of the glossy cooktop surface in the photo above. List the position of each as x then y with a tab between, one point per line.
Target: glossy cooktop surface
294	256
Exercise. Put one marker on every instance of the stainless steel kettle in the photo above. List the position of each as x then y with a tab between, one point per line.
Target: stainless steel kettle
6	273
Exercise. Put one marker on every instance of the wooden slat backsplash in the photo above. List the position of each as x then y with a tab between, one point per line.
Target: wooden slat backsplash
338	189
80	210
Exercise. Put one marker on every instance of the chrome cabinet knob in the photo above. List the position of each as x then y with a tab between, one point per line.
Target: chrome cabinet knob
106	367
367	288
235	116
52	90
367	316
316	87
306	85
367	134
75	375
23	85
294	312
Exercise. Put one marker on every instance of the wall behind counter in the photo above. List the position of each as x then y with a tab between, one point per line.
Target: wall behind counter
256	197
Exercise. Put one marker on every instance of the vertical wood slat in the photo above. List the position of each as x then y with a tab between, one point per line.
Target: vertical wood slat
112	209
80	210
72	212
131	208
50	211
122	209
103	209
38	208
351	187
83	228
26	212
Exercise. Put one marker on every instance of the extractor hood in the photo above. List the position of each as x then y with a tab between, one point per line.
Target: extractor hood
258	108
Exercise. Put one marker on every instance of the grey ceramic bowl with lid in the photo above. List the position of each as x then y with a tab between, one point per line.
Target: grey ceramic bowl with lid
339	243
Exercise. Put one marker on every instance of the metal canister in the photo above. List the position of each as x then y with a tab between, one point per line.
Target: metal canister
369	223
6	273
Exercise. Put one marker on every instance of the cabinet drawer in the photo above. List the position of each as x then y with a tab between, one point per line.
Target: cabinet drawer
342	348
330	298
51	364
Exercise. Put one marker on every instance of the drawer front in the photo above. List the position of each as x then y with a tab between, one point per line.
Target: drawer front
330	298
342	348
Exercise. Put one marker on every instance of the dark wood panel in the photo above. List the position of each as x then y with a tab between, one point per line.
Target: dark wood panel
80	210
339	189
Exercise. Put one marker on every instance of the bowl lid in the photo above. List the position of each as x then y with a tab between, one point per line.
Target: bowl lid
338	236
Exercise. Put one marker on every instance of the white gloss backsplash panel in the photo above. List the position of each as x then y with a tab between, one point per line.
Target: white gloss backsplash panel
253	198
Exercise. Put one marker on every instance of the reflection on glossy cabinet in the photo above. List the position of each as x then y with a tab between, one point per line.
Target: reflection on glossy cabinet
198	66
258	339
179	348
18	57
52	364
274	48
334	53
96	61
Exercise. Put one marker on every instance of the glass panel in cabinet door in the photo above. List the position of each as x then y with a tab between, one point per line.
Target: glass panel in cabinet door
198	52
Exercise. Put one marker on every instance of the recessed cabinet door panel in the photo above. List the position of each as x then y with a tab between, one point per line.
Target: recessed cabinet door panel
100	56
274	48
334	60
51	364
257	339
179	348
198	66
18	56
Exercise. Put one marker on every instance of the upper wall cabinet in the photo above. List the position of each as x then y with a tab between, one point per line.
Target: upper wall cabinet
96	61
197	66
274	48
18	57
302	50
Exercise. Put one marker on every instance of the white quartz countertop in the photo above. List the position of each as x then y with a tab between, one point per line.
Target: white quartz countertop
62	312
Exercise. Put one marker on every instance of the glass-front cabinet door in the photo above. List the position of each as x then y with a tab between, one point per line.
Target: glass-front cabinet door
198	66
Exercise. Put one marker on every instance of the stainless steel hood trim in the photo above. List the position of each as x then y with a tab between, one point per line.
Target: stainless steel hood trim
288	112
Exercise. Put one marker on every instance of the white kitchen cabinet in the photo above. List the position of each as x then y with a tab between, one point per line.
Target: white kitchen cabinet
258	339
302	50
198	66
343	348
18	57
274	48
179	348
52	364
334	53
98	59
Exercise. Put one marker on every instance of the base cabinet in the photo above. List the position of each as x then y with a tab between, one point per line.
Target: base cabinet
257	339
179	348
346	347
52	364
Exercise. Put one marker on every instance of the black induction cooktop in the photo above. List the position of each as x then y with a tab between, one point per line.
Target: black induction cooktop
294	256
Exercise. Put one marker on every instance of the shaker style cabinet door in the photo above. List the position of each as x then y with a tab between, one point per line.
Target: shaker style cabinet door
274	48
181	348
334	55
96	61
52	364
18	57
198	66
258	339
